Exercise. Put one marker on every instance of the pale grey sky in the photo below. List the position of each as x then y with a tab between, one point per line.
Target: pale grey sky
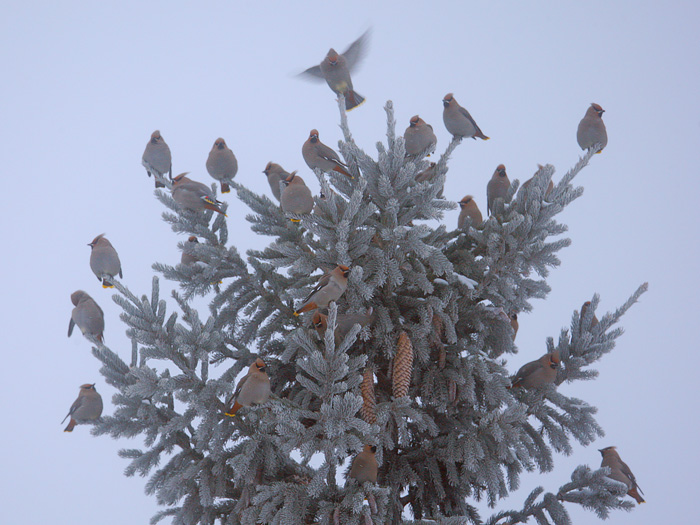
83	88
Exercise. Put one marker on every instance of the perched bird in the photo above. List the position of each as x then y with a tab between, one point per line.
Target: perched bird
194	196
536	374
156	158
469	210
335	70
584	310
419	137
87	315
343	324
252	389
275	174
222	164
458	121
104	260
591	129
364	466
87	407
296	196
186	258
427	174
619	471
497	187
328	289
527	183
317	155
514	323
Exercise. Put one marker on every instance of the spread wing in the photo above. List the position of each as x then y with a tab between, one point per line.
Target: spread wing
313	73
357	50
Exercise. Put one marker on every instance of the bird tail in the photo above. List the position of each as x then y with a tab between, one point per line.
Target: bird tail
480	135
225	188
635	494
352	99
71	325
234	409
106	284
71	425
158	183
211	204
343	171
295	220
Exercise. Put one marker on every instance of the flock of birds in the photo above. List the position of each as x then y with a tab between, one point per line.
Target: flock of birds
296	199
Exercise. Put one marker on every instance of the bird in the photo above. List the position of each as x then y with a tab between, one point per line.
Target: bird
104	260
317	155
469	211
336	68
87	315
87	407
328	289
591	129
497	187
427	174
419	137
296	196
156	158
584	310
252	389
619	471
364	465
222	164
194	196
275	174
536	374
186	258
343	323
514	323
527	183
458	121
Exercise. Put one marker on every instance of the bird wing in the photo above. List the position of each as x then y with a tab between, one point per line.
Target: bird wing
466	114
357	50
320	284
525	371
71	324
627	472
76	404
328	154
313	73
239	387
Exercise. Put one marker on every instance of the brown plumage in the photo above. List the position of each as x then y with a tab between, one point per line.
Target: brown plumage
364	466
87	315
222	164
419	137
252	389
343	324
156	158
469	211
317	155
536	374
87	407
328	289
584	311
527	183
275	174
458	121
296	196
591	129
514	323
194	196
104	260
619	471
497	187
186	258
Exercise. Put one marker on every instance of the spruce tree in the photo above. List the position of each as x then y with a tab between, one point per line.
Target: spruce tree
427	383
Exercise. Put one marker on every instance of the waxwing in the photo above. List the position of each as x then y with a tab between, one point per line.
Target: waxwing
275	174
527	183
104	260
87	315
222	164
328	289
469	211
317	155
194	196
186	258
252	389
335	70
343	323
584	311
419	137
514	323
497	187
364	466
156	158
427	174
536	374
458	121
619	471
87	407
296	196
591	129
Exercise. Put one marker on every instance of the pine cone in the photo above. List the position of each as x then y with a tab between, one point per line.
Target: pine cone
403	366
439	327
369	401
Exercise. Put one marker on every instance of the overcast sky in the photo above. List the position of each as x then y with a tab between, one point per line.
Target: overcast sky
82	90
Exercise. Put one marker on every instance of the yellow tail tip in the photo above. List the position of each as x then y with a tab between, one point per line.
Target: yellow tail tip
230	415
107	286
295	220
296	314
